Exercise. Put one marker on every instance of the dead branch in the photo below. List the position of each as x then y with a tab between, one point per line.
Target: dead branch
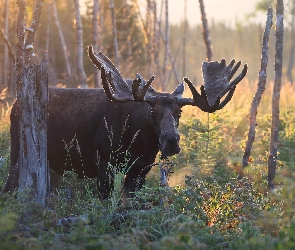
206	32
8	44
260	89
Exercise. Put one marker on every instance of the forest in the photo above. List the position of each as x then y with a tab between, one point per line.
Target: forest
212	200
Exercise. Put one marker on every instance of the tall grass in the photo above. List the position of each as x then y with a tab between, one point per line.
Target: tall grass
207	206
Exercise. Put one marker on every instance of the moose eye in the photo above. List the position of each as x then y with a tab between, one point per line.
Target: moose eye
179	114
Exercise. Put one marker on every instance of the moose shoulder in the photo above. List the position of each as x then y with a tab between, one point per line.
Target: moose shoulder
127	121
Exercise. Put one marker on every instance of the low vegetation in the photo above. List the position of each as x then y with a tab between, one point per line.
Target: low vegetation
206	207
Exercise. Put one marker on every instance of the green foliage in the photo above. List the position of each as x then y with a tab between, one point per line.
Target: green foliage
212	209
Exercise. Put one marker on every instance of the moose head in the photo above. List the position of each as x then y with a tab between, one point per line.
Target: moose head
165	108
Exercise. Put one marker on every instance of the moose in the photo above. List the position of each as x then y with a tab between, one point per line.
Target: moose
126	123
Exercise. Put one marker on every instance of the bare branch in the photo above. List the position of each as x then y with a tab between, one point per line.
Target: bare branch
11	54
260	89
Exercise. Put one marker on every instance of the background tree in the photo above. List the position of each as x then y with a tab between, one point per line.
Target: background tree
259	91
273	151
95	38
79	47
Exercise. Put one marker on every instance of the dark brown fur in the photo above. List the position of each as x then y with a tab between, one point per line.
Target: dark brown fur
86	131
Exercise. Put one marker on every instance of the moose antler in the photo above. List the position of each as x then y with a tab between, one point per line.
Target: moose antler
217	83
115	86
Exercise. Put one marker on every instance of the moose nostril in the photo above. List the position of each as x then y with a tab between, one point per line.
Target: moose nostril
169	145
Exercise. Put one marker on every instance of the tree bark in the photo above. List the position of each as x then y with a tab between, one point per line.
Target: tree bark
62	39
31	32
95	38
206	33
260	90
8	45
79	47
126	16
33	131
48	32
6	49
184	40
114	33
32	101
21	33
273	154
292	51
166	41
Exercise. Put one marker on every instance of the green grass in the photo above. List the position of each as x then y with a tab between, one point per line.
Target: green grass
206	207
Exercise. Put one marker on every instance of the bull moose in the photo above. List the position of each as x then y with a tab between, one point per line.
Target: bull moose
90	130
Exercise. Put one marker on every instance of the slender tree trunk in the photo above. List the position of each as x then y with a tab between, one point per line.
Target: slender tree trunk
48	32
21	33
126	16
79	47
172	61
62	39
156	40
114	33
8	45
273	154
184	40
166	40
6	56
206	32
95	39
29	42
292	52
260	89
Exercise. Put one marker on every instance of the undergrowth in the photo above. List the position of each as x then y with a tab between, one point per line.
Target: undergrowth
207	207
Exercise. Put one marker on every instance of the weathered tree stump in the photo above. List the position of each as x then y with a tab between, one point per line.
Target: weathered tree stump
33	167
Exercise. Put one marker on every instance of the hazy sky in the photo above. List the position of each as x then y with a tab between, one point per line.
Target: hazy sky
220	10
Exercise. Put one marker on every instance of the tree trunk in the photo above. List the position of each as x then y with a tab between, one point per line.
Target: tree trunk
95	39
184	40
6	58
206	36
292	52
32	100
48	32
126	16
114	33
166	40
21	33
62	39
33	140
273	152
29	42
79	47
206	32
260	89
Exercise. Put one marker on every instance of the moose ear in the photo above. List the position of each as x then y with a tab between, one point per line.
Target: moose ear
178	91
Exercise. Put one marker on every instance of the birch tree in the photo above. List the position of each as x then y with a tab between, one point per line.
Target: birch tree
273	151
79	47
6	56
184	40
166	41
113	16
62	39
95	38
292	50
